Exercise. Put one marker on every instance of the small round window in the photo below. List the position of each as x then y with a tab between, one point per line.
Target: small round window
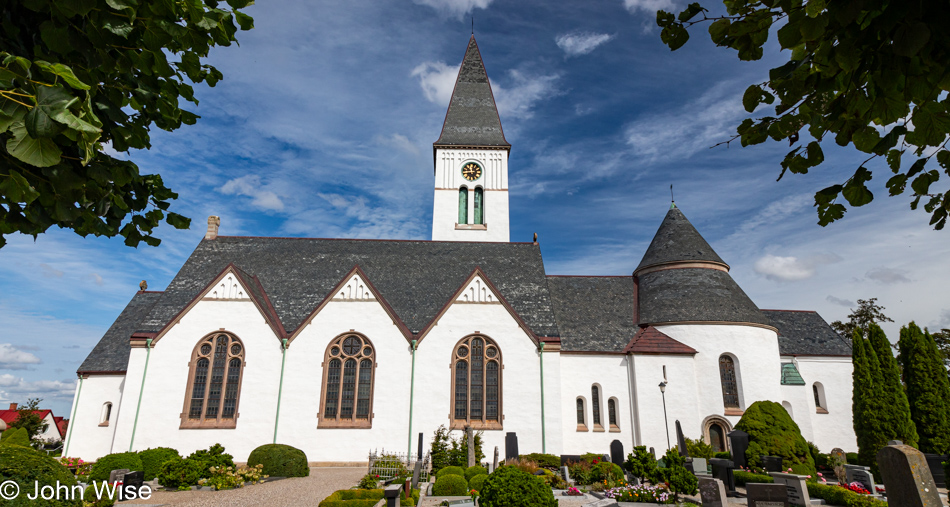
235	349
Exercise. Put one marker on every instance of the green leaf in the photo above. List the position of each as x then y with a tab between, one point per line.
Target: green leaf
56	37
41	152
674	36
789	35
855	191
239	4
246	22
814	7
931	124
814	28
847	57
785	70
910	39
688	13
917	167
664	18
943	158
177	221
896	184
718	30
865	139
117	25
72	8
16	188
121	5
921	184
64	72
894	160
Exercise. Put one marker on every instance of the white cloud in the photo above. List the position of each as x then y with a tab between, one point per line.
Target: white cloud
50	271
12	358
455	8
437	80
399	142
791	269
517	101
647	5
581	43
840	302
888	276
17	389
943	322
250	186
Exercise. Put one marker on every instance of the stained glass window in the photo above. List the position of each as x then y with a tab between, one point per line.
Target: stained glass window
580	411
477	380
348	382
612	412
595	404
730	388
217	362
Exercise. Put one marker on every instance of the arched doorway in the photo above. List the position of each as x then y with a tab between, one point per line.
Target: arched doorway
715	431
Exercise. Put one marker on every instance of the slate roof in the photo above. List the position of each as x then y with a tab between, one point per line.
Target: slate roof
594	313
695	294
677	241
111	354
416	278
472	118
650	340
805	333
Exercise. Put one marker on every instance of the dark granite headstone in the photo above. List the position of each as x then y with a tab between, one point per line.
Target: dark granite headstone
511	446
739	442
795	488
392	495
935	462
771	463
722	469
616	453
681	440
416	472
118	475
134	479
570	458
861	475
907	476
712	492
419	453
767	495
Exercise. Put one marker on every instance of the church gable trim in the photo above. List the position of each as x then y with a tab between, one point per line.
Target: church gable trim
478	292
354	279
477	273
252	289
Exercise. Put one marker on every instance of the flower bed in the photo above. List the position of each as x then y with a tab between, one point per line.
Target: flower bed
640	494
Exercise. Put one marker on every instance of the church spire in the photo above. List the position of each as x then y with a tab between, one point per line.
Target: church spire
472	118
677	241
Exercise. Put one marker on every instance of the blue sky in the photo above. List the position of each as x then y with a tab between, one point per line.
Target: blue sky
323	127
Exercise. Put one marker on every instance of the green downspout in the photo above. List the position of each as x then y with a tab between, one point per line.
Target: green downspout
280	387
148	353
544	448
69	438
412	387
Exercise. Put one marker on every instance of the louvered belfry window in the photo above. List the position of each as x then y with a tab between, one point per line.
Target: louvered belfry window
348	383
730	387
215	373
476	383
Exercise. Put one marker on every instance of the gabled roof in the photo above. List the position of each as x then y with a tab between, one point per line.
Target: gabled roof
805	333
111	354
694	295
472	118
8	416
594	313
649	340
678	241
791	376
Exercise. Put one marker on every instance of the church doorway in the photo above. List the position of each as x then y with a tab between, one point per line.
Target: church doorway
715	431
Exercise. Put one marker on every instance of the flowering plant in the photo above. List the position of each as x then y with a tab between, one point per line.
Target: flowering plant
79	467
641	494
857	487
572	491
228	478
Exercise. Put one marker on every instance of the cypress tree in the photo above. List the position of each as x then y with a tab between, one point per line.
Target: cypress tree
896	421
875	409
865	399
928	391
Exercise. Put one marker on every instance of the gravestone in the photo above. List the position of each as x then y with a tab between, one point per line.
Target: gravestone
416	472
134	479
566	474
896	442
767	495
681	440
907	476
511	446
771	463
605	458
935	462
419	453
722	470
861	475
840	458
795	487
739	442
391	494
118	475
616	453
570	458
606	502
495	462
470	435
712	492
699	467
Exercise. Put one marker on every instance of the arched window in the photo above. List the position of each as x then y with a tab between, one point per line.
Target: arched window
479	206
348	366
730	386
788	408
581	414
214	382
595	405
612	414
476	384
106	413
818	390
463	205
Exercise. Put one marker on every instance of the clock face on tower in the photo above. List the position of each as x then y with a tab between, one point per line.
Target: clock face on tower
471	171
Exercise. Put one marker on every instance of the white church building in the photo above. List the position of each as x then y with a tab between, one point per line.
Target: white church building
340	346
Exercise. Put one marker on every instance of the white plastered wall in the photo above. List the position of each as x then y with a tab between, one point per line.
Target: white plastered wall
90	441
579	373
836	428
494	182
682	399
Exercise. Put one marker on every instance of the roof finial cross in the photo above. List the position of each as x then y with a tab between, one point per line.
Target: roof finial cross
672	201
473	23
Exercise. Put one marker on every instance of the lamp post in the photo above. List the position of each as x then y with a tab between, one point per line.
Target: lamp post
665	420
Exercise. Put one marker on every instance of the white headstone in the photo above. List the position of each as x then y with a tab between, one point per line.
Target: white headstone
712	492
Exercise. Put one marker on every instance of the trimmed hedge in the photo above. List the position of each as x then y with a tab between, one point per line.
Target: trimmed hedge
27	467
89	496
472	471
280	460
743	478
772	432
543	460
364	498
450	485
477	482
179	473
153	459
511	487
836	495
723	455
213	456
450	471
117	461
16	436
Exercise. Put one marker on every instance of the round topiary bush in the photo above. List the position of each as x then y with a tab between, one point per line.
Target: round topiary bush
450	485
179	473
153	459
472	471
280	460
450	471
15	436
106	464
772	432
27	468
511	487
477	482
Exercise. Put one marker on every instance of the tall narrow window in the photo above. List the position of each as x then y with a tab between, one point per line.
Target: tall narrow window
819	391
595	405
347	400
476	383
106	414
581	415
463	205
612	414
479	206
730	387
215	373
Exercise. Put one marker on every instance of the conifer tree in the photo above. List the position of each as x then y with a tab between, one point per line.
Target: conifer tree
928	391
895	420
865	399
875	412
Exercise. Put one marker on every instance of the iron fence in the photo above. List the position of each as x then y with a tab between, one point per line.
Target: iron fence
390	465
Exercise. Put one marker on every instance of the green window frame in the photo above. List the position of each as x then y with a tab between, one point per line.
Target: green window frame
463	205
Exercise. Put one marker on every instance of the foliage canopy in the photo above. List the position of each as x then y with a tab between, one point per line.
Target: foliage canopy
28	419
873	75
772	432
77	76
860	319
928	389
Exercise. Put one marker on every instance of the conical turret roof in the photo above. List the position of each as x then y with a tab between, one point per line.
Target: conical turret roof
472	118
678	241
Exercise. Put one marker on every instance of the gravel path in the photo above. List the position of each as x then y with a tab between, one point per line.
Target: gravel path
298	491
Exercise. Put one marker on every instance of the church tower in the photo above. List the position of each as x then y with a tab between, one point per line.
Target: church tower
471	161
